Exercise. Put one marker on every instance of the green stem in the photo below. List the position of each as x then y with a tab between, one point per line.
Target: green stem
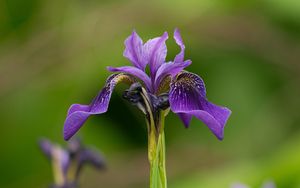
156	154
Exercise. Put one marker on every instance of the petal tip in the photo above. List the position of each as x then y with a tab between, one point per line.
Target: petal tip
165	35
227	115
220	137
46	146
188	62
73	123
66	137
66	133
134	34
185	118
186	126
110	68
176	31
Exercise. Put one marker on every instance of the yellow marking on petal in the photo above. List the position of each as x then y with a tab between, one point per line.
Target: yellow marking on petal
164	85
124	78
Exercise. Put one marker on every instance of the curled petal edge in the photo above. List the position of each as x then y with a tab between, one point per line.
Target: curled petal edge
215	126
78	114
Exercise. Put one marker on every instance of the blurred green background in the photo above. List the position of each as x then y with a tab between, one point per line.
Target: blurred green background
54	52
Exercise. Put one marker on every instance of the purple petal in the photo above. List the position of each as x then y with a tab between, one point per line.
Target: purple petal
185	118
78	114
92	157
216	127
170	68
155	52
74	121
134	72
87	156
179	57
134	51
46	147
77	107
188	96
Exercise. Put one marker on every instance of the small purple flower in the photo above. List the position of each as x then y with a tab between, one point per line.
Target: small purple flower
167	85
67	163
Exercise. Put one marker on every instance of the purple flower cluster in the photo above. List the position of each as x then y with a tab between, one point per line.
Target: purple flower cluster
182	91
67	163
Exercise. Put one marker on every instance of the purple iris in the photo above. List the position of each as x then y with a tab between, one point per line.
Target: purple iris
166	85
67	163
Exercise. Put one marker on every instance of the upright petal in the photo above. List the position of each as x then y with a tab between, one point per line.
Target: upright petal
134	72
179	57
171	69
188	96
185	118
134	51
155	51
78	114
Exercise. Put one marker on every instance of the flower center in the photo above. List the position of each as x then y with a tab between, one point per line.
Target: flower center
146	101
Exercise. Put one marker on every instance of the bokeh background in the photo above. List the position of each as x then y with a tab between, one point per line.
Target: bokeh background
54	53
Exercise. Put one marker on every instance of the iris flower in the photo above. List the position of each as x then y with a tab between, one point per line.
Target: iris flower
156	87
67	163
166	85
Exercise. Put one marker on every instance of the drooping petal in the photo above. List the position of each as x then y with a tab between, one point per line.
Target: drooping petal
185	118
216	127
92	157
179	57
155	51
78	114
134	51
171	69
87	156
77	107
188	96
74	121
134	72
